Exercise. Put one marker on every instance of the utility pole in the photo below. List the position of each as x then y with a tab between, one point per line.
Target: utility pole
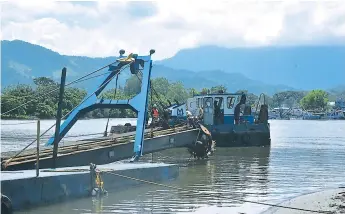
58	116
38	148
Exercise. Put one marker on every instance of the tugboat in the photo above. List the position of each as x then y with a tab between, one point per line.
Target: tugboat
229	125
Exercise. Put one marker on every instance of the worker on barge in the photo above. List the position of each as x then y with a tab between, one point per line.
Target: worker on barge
201	114
155	115
237	110
190	118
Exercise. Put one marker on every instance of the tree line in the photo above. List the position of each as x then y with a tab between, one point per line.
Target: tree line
164	92
39	105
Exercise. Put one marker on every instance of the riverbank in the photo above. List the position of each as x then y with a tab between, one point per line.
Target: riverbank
332	200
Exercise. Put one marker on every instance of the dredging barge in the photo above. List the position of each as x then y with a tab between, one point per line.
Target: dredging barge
119	147
228	128
221	114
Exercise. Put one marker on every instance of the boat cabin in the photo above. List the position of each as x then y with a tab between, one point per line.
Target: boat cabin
217	109
178	111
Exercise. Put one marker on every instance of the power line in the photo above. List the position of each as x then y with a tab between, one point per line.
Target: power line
94	77
73	82
106	127
53	91
79	81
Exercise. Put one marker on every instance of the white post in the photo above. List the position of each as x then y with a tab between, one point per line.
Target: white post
38	148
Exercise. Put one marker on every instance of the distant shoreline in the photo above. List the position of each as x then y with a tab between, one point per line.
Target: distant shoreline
21	118
53	118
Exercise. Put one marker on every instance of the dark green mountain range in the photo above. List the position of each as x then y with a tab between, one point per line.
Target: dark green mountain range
22	61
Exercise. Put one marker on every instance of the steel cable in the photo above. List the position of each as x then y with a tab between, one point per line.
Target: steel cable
10	159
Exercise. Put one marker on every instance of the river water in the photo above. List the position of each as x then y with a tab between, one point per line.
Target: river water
305	156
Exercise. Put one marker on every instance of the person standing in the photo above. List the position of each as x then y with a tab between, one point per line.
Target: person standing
155	114
201	114
189	118
237	110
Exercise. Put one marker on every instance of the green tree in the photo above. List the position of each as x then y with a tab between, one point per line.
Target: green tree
46	106
251	98
113	113
192	92
204	91
315	100
44	81
161	85
45	110
46	103
72	98
216	89
177	92
133	85
289	98
38	104
14	96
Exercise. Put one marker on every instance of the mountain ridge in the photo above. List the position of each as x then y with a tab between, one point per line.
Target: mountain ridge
23	61
303	67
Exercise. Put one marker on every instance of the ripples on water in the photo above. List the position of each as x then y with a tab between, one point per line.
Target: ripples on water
305	156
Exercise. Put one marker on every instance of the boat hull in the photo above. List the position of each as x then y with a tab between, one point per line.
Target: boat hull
242	135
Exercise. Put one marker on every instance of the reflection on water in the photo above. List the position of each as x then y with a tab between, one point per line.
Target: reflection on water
305	156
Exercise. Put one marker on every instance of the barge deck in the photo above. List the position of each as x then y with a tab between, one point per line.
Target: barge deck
103	151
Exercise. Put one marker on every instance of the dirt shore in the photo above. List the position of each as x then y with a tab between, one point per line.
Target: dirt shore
328	200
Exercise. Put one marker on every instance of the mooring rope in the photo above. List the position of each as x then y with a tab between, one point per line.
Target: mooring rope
112	172
231	198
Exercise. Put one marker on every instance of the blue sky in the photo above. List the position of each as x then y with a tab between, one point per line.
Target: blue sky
102	28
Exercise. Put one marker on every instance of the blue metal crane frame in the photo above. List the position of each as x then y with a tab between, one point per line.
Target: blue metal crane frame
138	103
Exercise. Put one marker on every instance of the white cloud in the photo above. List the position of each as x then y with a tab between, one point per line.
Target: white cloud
102	28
